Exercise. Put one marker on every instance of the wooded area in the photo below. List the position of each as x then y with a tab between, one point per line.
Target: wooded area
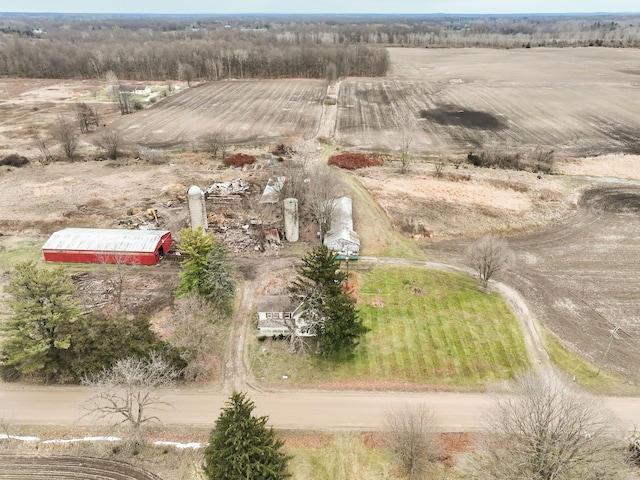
144	47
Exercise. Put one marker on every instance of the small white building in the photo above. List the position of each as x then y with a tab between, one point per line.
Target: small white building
276	313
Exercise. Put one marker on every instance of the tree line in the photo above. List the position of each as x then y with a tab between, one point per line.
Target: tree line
137	57
205	48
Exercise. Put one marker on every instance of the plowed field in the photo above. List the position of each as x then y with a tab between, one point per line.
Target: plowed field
576	101
27	467
246	110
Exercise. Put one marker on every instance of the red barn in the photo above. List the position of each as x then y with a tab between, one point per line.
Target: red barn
98	245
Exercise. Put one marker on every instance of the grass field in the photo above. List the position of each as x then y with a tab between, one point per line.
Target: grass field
428	329
584	373
14	250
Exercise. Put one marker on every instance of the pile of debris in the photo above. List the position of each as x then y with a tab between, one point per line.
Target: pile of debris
220	189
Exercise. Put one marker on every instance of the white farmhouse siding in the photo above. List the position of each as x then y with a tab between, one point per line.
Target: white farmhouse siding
276	313
341	238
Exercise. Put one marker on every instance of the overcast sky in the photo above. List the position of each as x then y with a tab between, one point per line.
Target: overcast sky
323	6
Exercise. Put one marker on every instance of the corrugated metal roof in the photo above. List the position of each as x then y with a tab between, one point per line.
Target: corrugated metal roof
342	214
105	240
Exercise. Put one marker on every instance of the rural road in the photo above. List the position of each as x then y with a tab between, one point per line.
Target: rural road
315	410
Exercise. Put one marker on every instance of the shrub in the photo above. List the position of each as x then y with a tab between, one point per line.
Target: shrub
353	161
150	155
14	160
539	160
239	160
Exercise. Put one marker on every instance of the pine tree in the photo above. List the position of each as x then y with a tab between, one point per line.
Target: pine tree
207	271
38	333
241	447
321	266
330	312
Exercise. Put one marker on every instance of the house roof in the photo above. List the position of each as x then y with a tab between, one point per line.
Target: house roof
105	240
275	303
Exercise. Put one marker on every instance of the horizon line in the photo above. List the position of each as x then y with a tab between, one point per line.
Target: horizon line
331	13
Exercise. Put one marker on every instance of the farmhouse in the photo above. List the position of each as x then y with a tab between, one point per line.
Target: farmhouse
276	313
97	245
135	89
341	238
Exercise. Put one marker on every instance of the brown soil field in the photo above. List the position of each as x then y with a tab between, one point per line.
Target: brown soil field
576	101
248	111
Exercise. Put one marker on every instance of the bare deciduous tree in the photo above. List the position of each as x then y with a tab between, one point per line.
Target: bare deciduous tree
325	186
186	72
41	145
129	391
122	99
488	256
196	332
65	133
550	431
215	143
110	141
83	116
407	127
411	439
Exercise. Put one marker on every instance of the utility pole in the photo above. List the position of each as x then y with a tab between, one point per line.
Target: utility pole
614	334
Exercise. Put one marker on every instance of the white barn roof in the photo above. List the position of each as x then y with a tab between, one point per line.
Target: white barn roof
106	240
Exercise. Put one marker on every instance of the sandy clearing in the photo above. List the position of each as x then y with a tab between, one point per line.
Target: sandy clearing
466	193
615	166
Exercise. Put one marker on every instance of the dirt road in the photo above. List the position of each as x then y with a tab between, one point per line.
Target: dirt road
314	410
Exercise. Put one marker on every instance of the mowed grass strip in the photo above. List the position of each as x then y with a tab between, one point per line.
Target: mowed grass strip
427	328
440	323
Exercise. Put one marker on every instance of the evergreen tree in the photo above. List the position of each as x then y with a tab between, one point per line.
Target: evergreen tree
329	311
342	331
321	267
38	332
196	245
241	447
207	271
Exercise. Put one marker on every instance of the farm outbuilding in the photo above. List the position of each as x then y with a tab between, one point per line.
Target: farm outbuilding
341	238
98	245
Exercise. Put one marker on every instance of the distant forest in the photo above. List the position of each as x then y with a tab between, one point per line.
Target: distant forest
152	47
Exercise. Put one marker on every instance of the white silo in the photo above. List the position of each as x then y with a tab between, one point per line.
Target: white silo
197	211
291	219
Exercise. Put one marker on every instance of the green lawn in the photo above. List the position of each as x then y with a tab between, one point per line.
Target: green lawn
427	328
14	250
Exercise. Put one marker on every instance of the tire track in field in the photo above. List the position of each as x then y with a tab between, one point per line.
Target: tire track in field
32	467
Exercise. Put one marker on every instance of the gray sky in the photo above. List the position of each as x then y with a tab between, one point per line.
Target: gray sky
324	6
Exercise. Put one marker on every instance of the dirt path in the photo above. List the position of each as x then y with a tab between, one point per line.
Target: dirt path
327	128
236	374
